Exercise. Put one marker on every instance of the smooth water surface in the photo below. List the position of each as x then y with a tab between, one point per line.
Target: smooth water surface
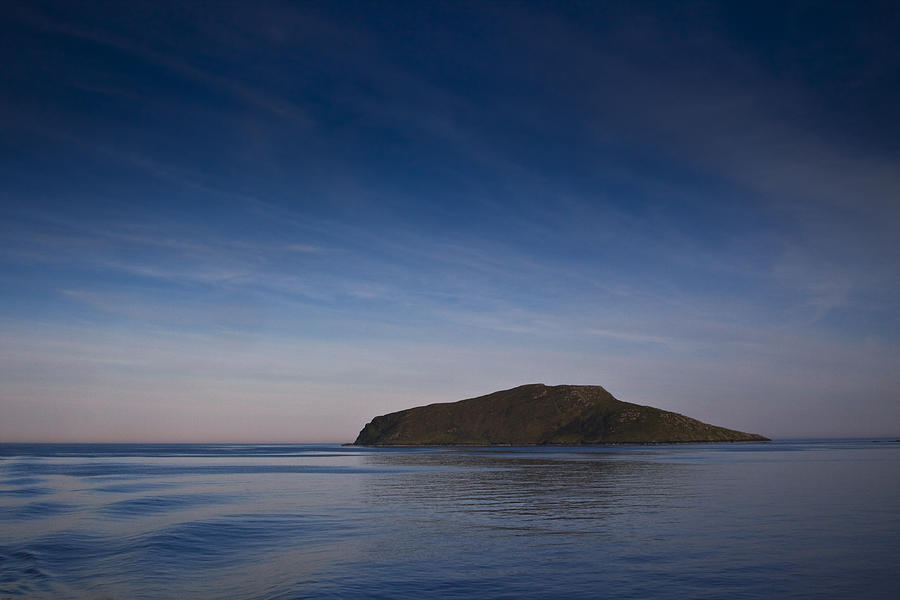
797	519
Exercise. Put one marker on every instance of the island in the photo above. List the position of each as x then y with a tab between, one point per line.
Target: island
537	414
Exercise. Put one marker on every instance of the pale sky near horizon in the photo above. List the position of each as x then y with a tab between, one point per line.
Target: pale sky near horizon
272	222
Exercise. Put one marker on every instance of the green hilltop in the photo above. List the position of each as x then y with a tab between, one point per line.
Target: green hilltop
539	414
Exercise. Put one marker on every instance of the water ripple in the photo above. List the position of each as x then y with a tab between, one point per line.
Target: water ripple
35	510
27	491
158	504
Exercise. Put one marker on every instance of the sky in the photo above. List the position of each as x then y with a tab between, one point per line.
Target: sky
271	222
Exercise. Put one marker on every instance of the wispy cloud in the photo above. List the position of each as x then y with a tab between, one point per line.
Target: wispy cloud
177	62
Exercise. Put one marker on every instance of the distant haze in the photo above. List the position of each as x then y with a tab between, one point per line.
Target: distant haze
272	222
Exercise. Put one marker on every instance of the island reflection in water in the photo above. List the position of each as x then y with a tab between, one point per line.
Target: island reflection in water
787	519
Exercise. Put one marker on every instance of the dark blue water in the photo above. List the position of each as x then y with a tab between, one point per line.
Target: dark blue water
802	519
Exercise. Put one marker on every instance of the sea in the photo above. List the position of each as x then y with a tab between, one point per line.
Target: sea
783	519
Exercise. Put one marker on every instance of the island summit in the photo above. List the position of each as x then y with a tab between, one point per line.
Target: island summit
537	414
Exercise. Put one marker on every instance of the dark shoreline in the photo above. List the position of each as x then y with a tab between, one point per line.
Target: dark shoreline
552	445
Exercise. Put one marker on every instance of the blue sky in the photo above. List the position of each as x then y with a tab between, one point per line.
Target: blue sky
225	222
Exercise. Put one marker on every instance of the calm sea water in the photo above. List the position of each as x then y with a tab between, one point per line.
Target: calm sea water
799	519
